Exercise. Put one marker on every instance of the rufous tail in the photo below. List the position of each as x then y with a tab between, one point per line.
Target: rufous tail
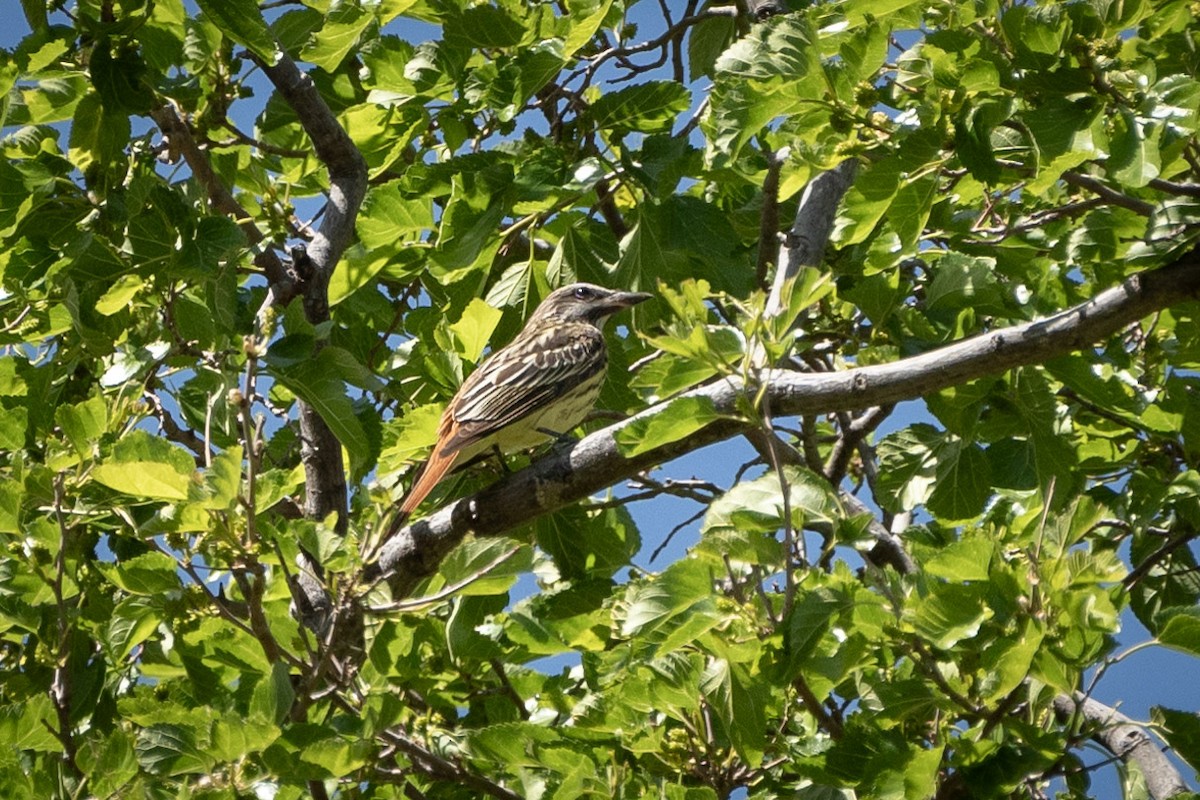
434	470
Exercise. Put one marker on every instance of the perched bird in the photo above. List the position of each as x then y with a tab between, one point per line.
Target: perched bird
543	384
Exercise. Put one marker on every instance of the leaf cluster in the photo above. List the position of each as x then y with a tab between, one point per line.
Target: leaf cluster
159	633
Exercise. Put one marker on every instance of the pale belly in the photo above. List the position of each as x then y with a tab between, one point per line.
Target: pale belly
558	419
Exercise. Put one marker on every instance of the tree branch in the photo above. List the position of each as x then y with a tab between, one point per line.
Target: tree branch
1109	194
1125	739
325	480
805	243
596	461
768	223
179	138
438	768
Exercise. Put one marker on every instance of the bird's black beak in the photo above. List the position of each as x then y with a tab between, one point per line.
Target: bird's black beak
619	300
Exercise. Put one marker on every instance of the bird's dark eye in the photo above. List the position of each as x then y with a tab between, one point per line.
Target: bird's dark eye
582	292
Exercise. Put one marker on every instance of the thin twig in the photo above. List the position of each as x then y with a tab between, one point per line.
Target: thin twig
174	127
449	590
1151	561
768	221
853	431
60	687
666	541
1113	197
442	769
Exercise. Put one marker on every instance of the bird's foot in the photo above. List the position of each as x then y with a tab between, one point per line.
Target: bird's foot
560	440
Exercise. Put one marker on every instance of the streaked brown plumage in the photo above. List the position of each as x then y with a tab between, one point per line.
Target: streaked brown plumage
543	383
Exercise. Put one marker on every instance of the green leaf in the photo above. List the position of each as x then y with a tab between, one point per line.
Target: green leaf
967	559
772	71
120	79
232	739
83	423
29	725
11	382
650	107
468	631
324	544
119	295
1134	160
408	437
172	749
1181	630
571	618
1008	661
1054	456
963	483
1181	729
682	593
10	506
474	329
344	25
868	200
921	464
242	22
215	239
224	479
738	701
757	505
481	567
706	41
466	235
679	419
921	772
133	621
910	209
358	268
483	27
13	422
1036	31
586	543
318	382
98	135
514	744
668	376
109	763
810	619
387	216
143	465
973	131
35	14
908	466
583	20
951	613
1062	134
273	695
149	574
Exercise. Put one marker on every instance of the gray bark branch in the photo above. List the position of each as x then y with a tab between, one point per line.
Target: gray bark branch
325	479
596	462
1125	739
805	243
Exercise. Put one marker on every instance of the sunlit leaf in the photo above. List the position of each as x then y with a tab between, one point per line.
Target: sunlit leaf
242	22
680	418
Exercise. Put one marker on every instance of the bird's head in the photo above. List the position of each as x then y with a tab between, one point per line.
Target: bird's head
584	302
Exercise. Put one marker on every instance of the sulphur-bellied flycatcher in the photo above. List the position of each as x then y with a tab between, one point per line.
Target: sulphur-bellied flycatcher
542	384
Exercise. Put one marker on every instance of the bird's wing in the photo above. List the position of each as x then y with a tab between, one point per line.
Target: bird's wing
536	369
522	378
